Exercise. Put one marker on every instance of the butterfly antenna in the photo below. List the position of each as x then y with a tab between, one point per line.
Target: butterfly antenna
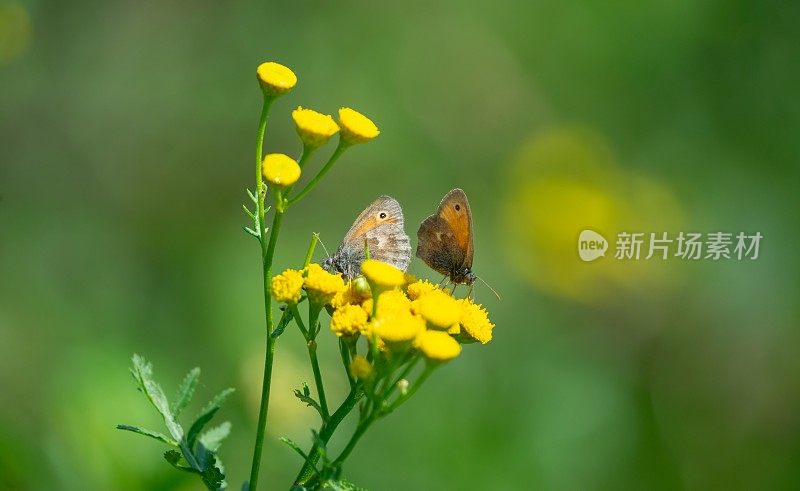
490	287
323	246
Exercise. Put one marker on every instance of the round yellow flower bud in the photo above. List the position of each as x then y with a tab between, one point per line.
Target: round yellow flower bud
437	346
360	368
280	170
313	128
382	275
275	79
356	128
287	286
348	320
439	309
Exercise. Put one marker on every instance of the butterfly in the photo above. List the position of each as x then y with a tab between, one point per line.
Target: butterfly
380	225
445	239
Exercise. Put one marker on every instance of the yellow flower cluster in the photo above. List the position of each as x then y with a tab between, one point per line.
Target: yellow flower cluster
321	285
287	286
421	316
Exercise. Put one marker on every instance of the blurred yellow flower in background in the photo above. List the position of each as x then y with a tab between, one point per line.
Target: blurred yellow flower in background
15	30
355	127
360	367
565	180
275	79
437	346
313	128
280	170
287	286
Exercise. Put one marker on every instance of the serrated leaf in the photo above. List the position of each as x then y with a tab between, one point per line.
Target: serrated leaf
305	396
152	434
185	391
212	476
212	439
205	416
143	373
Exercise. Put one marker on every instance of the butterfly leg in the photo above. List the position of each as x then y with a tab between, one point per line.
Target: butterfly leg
469	293
444	281
453	291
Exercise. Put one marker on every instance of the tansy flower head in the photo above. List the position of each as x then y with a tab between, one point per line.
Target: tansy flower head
437	346
350	295
280	170
275	79
439	309
321	285
398	329
475	324
356	128
287	286
382	276
348	320
390	303
314	129
419	288
360	368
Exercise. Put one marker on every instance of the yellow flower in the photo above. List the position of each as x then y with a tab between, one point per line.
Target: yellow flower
287	286
275	79
437	346
321	285
280	170
390	303
419	288
475	322
348	320
398	329
360	368
439	309
351	295
356	128
382	275
314	129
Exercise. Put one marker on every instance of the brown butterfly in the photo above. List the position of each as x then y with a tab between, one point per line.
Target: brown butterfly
445	239
381	226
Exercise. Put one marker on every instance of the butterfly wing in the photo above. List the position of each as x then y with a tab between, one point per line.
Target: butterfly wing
454	210
437	245
381	224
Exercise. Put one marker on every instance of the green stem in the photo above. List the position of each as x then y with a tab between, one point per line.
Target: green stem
311	247
414	387
312	355
267	254
325	434
355	438
332	160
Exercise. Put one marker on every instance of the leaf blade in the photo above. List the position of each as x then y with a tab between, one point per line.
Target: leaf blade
206	414
185	391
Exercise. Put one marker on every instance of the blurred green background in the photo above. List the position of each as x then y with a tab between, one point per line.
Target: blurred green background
126	141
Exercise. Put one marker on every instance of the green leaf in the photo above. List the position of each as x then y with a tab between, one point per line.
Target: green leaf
177	461
152	434
185	391
341	485
287	317
143	373
212	476
294	446
212	439
205	416
305	396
